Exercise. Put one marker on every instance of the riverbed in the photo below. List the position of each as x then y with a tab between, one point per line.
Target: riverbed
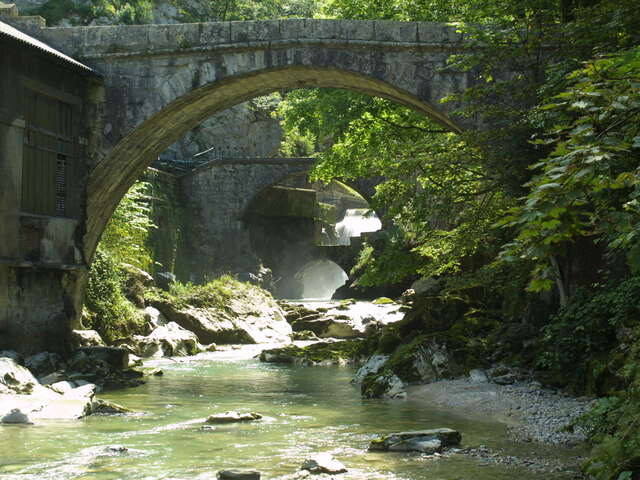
306	410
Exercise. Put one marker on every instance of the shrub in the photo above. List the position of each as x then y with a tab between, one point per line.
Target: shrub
110	313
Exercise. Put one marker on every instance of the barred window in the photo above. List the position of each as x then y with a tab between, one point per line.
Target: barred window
49	154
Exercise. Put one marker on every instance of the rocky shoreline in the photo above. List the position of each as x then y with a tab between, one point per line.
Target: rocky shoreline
533	413
418	371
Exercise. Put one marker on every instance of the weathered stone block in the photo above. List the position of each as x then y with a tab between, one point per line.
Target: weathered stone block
322	29
388	31
262	31
294	28
433	32
359	29
213	33
174	36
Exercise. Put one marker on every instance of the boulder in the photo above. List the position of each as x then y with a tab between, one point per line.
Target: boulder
478	376
419	444
373	365
251	318
507	379
318	354
116	449
52	378
383	301
62	387
423	360
116	358
167	341
238	475
431	362
289	354
83	393
425	441
86	338
104	407
15	416
305	335
43	363
323	463
387	385
15	356
15	378
328	327
45	403
136	281
165	279
233	417
154	317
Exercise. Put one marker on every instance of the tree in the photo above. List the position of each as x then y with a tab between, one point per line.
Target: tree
588	187
125	236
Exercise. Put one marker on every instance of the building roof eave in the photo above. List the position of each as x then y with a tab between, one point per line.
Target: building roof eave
7	30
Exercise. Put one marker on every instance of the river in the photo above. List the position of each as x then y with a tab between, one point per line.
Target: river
306	410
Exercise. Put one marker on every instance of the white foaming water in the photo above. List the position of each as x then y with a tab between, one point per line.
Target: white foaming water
320	279
355	222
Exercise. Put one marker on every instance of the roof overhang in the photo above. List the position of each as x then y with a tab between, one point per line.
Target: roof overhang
7	30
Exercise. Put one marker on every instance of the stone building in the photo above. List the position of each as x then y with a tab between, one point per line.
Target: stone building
47	126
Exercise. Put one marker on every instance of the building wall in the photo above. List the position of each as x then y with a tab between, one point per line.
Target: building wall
42	268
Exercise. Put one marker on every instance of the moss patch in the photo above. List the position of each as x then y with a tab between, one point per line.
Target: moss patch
215	294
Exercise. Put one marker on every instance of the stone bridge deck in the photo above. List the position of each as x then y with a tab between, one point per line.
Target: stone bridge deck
187	39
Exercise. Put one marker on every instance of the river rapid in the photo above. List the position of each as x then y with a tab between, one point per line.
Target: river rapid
306	410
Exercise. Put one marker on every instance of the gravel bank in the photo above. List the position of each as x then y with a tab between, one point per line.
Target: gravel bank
533	413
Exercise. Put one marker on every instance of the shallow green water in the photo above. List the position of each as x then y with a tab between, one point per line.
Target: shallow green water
307	410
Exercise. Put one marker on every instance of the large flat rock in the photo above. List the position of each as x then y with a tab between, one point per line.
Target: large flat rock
425	441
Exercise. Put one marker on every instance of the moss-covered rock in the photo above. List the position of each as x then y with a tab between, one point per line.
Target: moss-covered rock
224	311
383	301
425	441
322	353
382	385
135	282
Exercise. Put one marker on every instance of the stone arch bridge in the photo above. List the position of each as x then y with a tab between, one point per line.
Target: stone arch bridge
226	219
160	81
156	82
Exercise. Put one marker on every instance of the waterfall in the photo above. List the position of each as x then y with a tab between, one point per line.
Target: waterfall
320	279
355	222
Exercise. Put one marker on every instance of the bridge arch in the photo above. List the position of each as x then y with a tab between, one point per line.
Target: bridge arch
126	161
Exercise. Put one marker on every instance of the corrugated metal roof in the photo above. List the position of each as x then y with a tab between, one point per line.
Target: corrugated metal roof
9	31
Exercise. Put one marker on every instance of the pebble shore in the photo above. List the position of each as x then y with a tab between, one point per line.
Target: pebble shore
533	414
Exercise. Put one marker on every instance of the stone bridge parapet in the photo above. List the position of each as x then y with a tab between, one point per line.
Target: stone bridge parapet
188	39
